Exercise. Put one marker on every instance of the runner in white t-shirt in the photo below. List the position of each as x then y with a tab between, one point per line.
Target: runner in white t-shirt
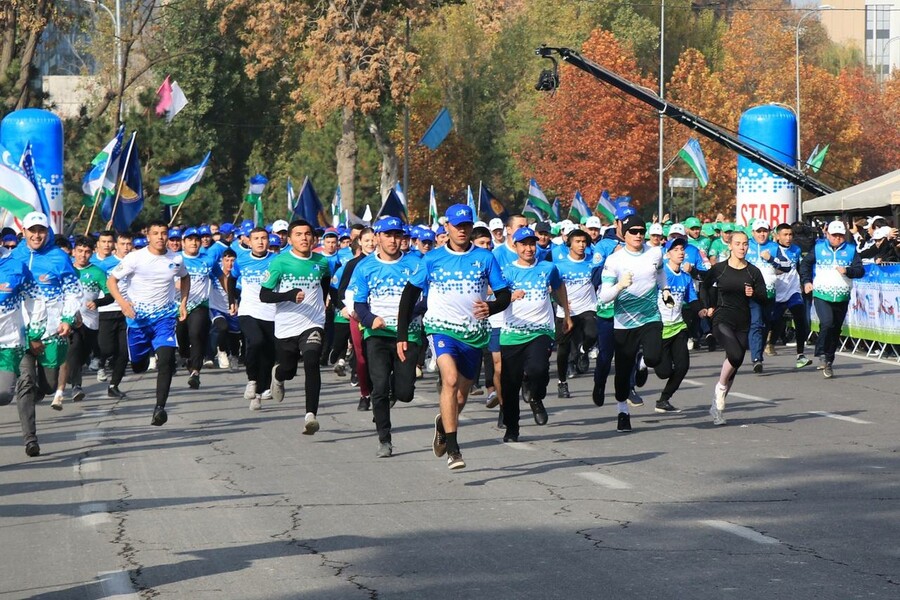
151	309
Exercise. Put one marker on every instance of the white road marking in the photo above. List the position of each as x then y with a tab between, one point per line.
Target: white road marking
606	481
92	434
116	585
94	513
691	382
520	446
751	397
822	413
741	531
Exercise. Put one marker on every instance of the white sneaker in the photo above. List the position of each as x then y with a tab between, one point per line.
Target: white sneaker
277	388
721	393
250	390
57	401
102	375
222	359
255	403
95	365
593	354
266	395
431	367
716	414
208	364
690	343
311	424
152	366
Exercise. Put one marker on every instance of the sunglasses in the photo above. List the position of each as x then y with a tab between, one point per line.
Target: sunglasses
636	231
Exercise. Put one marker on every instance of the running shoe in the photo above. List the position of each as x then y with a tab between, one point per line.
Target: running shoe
385	450
364	403
222	359
716	414
439	443
277	387
802	361
32	449
455	461
582	363
492	400
311	425
721	393
828	371
511	436
354	380
77	393
757	366
255	403
634	399
250	390
57	402
624	423
594	353
562	390
598	395
102	375
540	413
340	368
664	406
476	391
159	416
113	391
640	376
194	381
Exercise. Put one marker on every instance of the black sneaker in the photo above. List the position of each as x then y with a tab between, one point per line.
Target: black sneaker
526	393
562	390
354	380
439	443
77	394
582	363
640	376
455	461
663	406
32	449
540	413
159	416
114	392
624	424
500	423
757	367
710	342
194	381
511	436
598	395
364	403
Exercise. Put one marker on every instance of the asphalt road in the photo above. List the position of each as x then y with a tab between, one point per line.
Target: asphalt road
797	497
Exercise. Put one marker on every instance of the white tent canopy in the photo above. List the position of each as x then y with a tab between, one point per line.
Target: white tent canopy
874	195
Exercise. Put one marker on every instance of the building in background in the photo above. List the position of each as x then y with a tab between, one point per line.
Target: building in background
873	26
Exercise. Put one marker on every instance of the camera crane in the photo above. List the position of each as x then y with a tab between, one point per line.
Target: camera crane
549	81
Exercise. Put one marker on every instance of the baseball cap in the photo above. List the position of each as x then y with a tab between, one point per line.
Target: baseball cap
175	233
190	231
388	224
35	218
727	227
495	224
594	223
458	214
246	229
568	228
204	230
426	235
226	228
760	224
692	222
708	229
330	231
247	223
655	229
632	221
480	224
140	242
677	229
274	240
524	233
881	233
679	241
10	237
835	227
279	225
623	212
440	231
542	227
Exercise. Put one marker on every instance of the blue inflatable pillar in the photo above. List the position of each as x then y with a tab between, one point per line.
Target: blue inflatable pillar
772	129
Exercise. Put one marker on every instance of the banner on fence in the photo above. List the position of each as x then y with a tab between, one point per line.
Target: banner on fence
874	310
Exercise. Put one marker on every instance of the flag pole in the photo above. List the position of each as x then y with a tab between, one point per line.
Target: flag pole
175	215
87	229
124	170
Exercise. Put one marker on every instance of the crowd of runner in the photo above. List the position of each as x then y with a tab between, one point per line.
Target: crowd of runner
476	302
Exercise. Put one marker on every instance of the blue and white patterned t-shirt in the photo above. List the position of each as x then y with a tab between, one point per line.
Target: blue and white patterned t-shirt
531	316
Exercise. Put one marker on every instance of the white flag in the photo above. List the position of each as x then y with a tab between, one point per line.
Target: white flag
179	101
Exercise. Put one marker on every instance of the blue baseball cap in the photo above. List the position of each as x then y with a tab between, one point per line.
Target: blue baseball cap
440	231
10	237
191	231
414	232
524	233
459	214
245	229
204	230
174	234
426	235
247	223
226	228
268	228
343	233
140	242
387	224
274	240
623	212
678	241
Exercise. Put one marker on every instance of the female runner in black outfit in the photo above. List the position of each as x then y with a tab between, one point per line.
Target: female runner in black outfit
729	287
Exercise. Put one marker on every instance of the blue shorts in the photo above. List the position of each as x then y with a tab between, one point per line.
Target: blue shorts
494	344
144	340
234	326
465	356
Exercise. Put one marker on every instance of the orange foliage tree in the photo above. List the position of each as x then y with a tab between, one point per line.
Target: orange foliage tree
877	111
594	138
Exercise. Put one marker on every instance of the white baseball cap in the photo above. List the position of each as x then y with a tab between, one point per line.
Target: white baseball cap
837	227
279	225
655	229
567	228
495	224
35	218
760	224
593	223
881	233
677	229
479	224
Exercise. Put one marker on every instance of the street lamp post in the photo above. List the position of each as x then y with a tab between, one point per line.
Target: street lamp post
884	52
797	55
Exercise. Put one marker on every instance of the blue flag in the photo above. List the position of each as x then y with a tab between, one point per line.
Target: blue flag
470	201
490	207
131	198
28	167
392	207
557	210
438	130
309	207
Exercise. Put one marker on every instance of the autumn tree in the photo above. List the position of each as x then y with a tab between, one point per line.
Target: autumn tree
22	23
345	56
877	110
593	138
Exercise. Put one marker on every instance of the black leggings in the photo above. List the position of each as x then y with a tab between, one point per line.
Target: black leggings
193	337
165	369
627	343
82	342
308	347
259	350
112	338
228	342
734	342
674	364
531	360
583	334
340	341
